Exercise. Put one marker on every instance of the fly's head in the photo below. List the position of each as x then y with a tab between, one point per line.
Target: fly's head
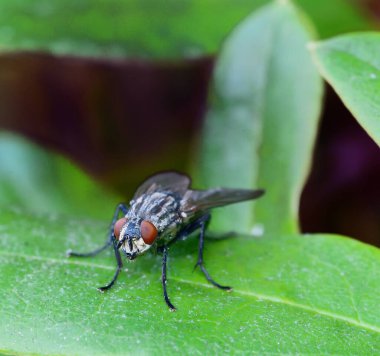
134	236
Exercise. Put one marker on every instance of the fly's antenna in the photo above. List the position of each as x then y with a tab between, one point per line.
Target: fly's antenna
130	243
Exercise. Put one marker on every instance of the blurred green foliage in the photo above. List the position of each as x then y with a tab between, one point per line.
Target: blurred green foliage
146	28
264	109
38	181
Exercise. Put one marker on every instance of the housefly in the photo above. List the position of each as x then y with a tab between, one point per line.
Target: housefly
164	210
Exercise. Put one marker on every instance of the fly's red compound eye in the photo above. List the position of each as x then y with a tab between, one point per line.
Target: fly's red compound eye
118	225
148	232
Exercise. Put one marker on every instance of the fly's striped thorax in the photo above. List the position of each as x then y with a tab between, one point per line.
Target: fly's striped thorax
161	209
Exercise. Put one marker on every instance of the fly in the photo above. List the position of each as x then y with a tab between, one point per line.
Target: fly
164	210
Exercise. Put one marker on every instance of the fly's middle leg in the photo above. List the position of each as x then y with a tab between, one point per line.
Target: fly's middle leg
164	280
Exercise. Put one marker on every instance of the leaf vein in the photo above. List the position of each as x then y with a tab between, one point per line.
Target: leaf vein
343	276
256	295
294	304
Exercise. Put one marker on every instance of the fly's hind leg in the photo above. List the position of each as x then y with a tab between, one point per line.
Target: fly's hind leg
202	225
120	208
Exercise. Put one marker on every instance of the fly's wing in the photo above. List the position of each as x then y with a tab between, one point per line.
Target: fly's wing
171	181
197	200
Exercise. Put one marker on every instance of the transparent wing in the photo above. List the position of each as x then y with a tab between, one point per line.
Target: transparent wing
195	200
171	181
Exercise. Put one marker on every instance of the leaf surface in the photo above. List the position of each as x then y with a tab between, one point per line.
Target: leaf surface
297	294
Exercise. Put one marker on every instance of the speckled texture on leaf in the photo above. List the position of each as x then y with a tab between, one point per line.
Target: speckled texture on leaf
296	294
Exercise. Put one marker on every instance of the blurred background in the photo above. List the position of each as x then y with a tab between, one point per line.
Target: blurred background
120	88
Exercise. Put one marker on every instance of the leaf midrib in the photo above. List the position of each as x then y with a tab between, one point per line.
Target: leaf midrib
288	302
355	56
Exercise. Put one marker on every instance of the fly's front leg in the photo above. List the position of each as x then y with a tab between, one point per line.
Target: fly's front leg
110	241
203	224
164	280
120	208
118	269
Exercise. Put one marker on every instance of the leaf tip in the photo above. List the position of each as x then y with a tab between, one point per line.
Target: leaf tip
312	46
283	2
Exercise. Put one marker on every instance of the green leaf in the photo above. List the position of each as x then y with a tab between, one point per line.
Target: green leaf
40	181
351	65
159	28
260	130
294	295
